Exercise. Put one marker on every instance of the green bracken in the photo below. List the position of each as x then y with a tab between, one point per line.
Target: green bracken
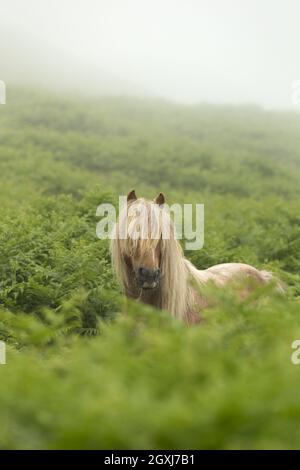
86	368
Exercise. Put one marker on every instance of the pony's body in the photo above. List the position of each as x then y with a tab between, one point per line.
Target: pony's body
179	289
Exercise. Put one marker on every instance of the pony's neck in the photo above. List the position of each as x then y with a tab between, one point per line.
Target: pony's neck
151	297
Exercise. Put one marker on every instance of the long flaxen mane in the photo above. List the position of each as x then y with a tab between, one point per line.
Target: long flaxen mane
176	292
173	294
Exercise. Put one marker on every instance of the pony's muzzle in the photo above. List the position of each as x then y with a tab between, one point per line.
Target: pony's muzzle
148	278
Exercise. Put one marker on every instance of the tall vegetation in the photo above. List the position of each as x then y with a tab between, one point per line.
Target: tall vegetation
140	378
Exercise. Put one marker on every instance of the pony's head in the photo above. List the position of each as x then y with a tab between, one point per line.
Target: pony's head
137	248
147	258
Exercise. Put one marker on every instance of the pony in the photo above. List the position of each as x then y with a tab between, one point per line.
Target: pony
152	267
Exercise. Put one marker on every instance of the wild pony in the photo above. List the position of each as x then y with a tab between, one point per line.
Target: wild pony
153	268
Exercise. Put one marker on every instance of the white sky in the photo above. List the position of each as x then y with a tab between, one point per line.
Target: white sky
221	51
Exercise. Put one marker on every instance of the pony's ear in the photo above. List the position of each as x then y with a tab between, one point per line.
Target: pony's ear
160	199
131	196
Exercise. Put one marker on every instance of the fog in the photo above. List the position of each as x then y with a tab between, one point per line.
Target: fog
191	51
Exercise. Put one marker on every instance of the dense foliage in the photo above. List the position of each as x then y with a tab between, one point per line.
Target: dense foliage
140	378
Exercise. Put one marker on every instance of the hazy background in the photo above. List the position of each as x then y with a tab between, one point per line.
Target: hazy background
219	51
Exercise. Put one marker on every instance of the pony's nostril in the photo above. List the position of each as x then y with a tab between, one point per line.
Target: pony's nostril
147	275
143	272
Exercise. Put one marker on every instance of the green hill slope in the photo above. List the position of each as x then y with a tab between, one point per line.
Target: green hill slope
142	380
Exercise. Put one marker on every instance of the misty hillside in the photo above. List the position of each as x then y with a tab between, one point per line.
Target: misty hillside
142	379
239	161
199	101
28	60
221	150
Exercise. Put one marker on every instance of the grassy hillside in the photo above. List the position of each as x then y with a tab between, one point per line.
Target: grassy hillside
141	379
